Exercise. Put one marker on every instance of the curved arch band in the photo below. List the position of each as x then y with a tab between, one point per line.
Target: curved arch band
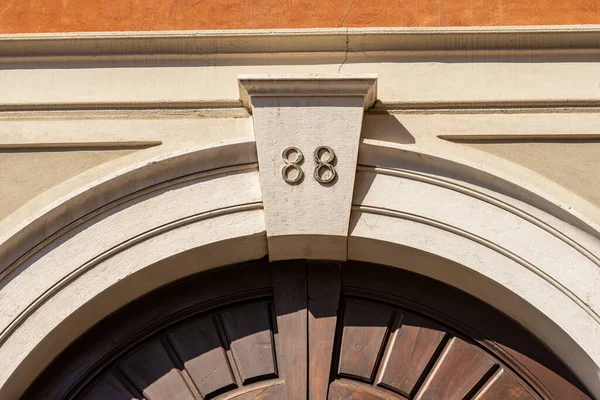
97	257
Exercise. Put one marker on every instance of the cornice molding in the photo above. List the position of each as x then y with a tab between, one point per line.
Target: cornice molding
530	38
301	85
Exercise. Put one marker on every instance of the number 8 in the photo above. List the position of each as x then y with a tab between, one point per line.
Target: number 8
324	171
292	165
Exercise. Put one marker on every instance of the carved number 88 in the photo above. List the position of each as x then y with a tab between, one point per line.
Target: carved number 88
324	172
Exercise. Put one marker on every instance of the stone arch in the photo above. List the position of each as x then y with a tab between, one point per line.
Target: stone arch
113	241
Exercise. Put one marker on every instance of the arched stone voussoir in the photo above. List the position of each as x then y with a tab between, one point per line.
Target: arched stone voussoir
123	278
77	302
497	238
109	243
25	228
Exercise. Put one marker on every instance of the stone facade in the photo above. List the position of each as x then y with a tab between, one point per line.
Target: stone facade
122	154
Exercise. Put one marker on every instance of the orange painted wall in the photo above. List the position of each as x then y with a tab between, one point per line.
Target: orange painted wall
20	16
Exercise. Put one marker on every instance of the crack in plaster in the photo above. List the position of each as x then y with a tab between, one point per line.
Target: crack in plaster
346	52
347	13
347	36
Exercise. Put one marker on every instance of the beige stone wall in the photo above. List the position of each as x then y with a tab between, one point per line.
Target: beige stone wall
25	174
573	165
538	96
481	148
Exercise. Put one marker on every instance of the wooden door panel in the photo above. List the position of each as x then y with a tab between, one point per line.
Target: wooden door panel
198	345
293	331
348	390
270	391
412	345
457	372
250	333
365	326
504	386
290	294
150	368
324	285
422	359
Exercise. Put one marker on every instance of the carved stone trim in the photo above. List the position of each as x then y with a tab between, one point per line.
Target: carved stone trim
300	85
316	40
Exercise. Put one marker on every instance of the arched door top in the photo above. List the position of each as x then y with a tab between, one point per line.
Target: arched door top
293	330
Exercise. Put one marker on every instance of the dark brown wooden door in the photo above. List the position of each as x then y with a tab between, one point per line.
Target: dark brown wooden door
298	330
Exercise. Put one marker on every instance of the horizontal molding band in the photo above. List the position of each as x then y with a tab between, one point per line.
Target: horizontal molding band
302	40
235	107
114	106
124	145
488	105
523	138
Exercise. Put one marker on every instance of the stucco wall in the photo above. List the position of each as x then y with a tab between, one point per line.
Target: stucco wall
481	148
215	183
18	16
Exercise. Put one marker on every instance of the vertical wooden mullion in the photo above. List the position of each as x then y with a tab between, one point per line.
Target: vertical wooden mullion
289	290
324	285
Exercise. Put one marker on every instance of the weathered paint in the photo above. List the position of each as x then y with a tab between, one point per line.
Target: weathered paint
23	16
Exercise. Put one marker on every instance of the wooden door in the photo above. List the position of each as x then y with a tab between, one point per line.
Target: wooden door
298	330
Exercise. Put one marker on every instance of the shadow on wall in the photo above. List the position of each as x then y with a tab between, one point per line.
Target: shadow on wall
385	126
191	57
